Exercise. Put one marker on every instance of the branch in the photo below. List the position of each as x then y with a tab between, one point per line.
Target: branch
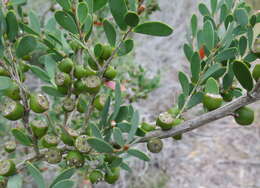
199	121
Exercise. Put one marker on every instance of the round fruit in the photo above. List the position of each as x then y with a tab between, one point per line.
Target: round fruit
256	47
147	127
212	101
39	103
165	121
177	121
7	168
53	156
256	72
75	159
49	141
113	176
12	110
3	72
99	102
90	71
92	64
68	105
74	45
39	128
174	111
10	146
13	92
110	73
107	52
66	65
177	137
82	145
68	136
82	105
79	72
227	96
92	84
95	176
244	116
79	87
155	145
62	79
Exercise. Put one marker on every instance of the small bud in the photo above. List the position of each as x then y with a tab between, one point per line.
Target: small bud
82	145
53	156
155	145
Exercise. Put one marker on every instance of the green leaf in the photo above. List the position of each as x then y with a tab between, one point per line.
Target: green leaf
134	126
214	68
65	4
181	100
213	5
104	113
66	174
12	25
27	29
138	154
204	10
82	12
66	21
95	131
116	162
118	10
194	25
40	73
36	174
195	99
15	181
98	50
195	67
212	86
227	54
208	32
110	32
26	45
184	80
123	114
242	45
131	19
250	36
5	83
118	137
18	2
241	16
88	25
188	51
52	91
98	4
228	78
200	38
118	100
64	184
125	167
34	22
21	137
126	47
124	127
154	28
243	75
100	145
223	13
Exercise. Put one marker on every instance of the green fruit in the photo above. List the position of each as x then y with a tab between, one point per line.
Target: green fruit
53	156
256	47
7	168
63	90
79	72
13	92
79	87
92	64
155	145
110	73
174	111
39	103
90	71
244	116
92	84
212	101
147	127
23	66
10	146
165	121
177	121
12	110
75	159
107	52
113	176
82	145
49	141
75	46
99	102
82	105
256	72
109	158
68	104
62	79
66	65
177	137
39	128
3	72
227	96
95	176
68	136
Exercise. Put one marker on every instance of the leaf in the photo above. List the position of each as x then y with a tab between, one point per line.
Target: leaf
118	137
131	19
125	167
123	114
104	113
250	36
34	22
26	45
82	12
100	145
195	67
20	136
188	51
40	73
194	25
212	86
27	29
241	16
15	181
118	10
204	10
124	127
181	100
227	54
228	78
52	91
98	4
184	80
64	184
242	45
243	75
36	174
138	154
154	28
126	47
195	99
65	4
5	83
17	2
116	162
214	68
66	174
12	25
134	126
110	32
66	21
118	100
208	32
95	131
223	13
213	5
88	25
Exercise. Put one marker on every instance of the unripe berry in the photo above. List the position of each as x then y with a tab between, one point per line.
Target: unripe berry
110	73
68	137
90	71
13	92
155	145
74	45
177	137
75	159
66	65
92	84
39	103
107	52
79	72
165	121
53	156
68	105
7	168
113	176
99	102
256	72
62	79
82	145
147	127
39	128
79	87
10	146
227	96
82	105
244	116
49	141
212	101
95	176
12	110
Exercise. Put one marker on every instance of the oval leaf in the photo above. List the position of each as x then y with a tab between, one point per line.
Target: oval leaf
118	9
126	47
184	80
36	174
26	45
195	67
243	75
82	12
5	83
40	73
12	25
98	4
21	137
110	32
15	181
64	184
138	154
131	19
66	21
52	91
65	4
66	174
100	145
118	137
212	86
